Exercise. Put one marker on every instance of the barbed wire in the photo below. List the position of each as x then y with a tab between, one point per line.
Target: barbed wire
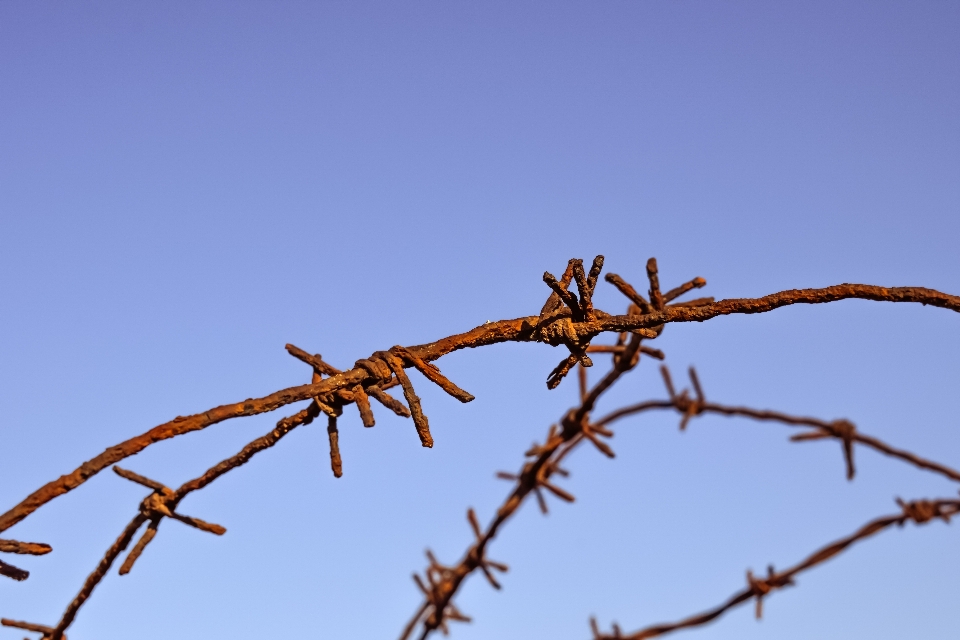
569	319
535	475
919	511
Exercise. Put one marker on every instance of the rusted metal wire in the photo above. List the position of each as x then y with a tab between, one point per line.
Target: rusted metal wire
527	329
532	478
841	429
918	511
567	319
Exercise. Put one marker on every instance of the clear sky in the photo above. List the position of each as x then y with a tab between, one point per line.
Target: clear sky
186	187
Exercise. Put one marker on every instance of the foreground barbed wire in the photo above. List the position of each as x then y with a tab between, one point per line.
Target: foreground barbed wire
569	319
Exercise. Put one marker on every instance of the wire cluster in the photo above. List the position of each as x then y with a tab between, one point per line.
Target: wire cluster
568	318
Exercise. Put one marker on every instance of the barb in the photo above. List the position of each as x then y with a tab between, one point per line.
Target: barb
23	548
332	404
656	298
162	503
432	373
582	382
336	464
673	294
315	361
919	511
561	370
363	406
384	398
357	394
618	349
45	632
696	302
413	400
586	283
844	431
554	302
12	572
567	297
631	293
559	328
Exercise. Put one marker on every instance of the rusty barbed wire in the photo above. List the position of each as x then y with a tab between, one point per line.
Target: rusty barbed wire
841	429
568	319
918	511
431	615
527	329
533	478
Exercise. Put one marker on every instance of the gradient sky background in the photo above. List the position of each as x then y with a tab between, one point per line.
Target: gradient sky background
185	187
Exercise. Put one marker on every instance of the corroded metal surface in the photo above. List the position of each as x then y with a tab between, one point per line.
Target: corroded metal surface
568	319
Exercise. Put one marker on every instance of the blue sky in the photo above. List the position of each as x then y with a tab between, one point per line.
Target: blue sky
186	187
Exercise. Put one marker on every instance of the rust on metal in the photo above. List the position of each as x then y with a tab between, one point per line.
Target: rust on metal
567	319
